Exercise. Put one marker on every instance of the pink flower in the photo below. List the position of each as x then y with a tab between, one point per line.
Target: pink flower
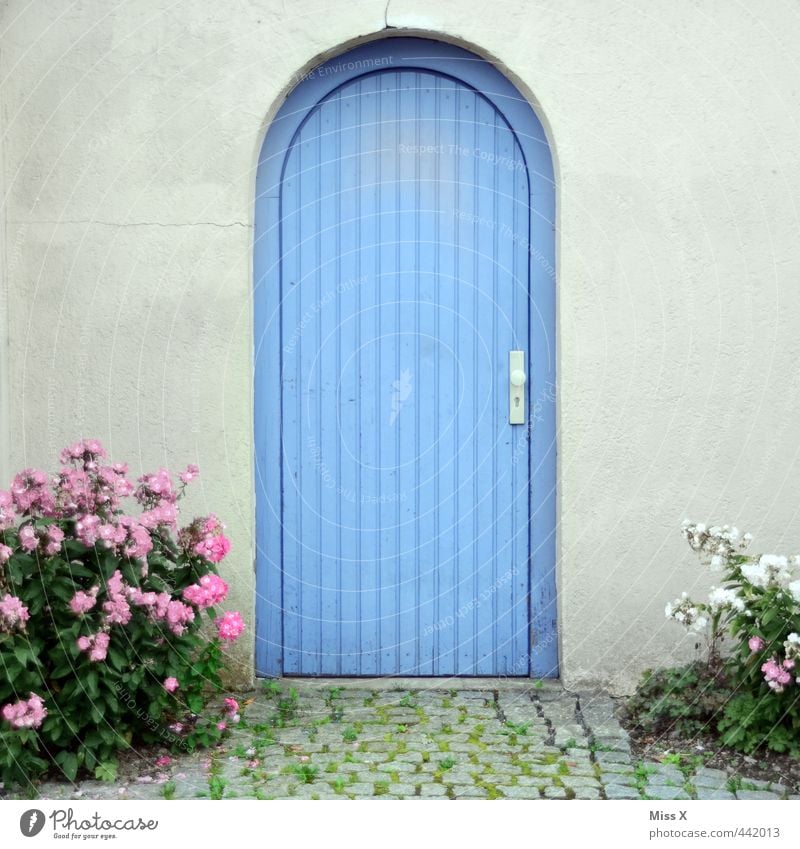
171	684
164	760
221	726
117	611
162	514
205	537
190	474
52	537
155	489
209	590
788	663
8	517
111	535
770	669
87	450
13	613
230	626
162	604
115	584
5	553
27	538
176	727
178	615
83	602
231	705
756	643
100	648
87	530
96	645
55	537
26	713
30	493
213	548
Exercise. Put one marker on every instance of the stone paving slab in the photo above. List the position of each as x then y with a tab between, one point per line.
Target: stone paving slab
423	739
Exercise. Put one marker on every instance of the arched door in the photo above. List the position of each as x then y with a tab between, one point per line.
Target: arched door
404	285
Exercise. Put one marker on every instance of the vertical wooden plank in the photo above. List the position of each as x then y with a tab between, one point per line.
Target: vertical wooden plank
292	342
491	308
332	189
541	260
366	319
385	330
267	351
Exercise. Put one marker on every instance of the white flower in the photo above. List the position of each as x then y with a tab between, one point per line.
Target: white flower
679	617
699	624
793	638
774	561
668	610
794	589
755	573
717	562
720	598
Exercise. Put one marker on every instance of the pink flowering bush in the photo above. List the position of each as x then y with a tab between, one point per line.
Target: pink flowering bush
754	614
101	610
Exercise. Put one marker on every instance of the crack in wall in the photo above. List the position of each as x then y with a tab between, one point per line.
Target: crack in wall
148	223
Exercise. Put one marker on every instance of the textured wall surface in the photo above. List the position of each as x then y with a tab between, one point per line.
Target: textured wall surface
130	136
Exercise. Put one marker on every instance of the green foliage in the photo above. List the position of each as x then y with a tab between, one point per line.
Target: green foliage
515	728
748	696
307	773
97	709
750	722
687	700
447	763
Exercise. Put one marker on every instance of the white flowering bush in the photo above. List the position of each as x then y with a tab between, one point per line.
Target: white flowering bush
757	607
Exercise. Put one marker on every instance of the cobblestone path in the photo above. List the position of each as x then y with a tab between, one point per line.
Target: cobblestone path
422	740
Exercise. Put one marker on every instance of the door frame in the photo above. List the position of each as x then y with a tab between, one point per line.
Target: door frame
424	54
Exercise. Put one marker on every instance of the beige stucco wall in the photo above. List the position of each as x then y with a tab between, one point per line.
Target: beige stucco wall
130	133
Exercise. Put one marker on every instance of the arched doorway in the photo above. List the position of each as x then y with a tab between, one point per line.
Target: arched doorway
404	274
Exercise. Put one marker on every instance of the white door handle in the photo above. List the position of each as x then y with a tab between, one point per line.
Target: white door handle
516	387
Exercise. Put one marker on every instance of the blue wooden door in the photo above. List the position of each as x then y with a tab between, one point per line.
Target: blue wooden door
404	526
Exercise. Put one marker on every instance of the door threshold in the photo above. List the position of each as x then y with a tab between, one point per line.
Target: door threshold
385	683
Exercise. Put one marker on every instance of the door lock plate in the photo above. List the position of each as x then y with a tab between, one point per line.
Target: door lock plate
516	387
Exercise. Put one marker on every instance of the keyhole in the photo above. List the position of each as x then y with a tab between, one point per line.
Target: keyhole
516	401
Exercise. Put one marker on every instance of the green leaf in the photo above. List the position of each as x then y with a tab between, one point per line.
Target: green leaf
22	654
90	683
106	771
68	763
195	703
